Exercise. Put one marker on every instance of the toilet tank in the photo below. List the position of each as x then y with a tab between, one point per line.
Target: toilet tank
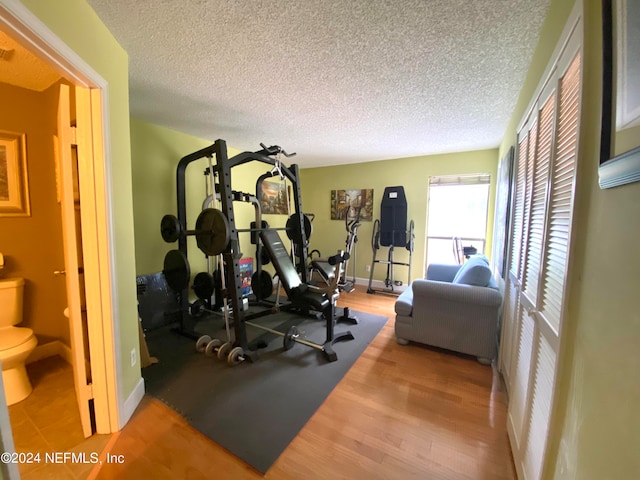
11	290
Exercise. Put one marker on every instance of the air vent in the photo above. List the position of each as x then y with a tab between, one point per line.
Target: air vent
5	54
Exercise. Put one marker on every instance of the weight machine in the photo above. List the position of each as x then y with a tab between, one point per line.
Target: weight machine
217	234
391	231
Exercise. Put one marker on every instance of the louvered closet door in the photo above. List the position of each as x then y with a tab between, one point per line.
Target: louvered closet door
534	293
508	343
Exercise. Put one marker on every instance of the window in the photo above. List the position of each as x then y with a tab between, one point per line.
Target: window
457	208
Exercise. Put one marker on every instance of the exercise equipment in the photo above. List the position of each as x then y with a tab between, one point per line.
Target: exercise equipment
322	270
304	296
216	234
212	230
391	231
211	347
351	249
461	252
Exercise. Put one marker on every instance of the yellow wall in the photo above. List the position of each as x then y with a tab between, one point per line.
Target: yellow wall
595	431
156	152
33	245
411	173
598	430
77	25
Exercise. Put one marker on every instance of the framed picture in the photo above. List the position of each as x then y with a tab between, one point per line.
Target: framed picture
14	186
620	92
345	204
274	198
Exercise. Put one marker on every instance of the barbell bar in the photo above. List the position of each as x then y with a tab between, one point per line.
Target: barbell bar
291	336
213	233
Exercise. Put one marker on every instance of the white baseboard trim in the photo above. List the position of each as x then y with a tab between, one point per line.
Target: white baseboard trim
379	285
132	403
51	349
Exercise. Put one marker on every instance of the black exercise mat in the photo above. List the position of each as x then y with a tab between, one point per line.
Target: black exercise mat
253	410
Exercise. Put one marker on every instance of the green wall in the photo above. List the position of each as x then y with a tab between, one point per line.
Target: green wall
595	429
156	152
411	173
77	25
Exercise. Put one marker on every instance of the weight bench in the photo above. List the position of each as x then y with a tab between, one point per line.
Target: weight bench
303	296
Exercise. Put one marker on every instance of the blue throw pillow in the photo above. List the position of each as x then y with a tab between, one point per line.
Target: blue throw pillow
474	271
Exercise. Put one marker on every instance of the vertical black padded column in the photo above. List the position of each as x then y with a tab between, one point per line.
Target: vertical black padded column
393	218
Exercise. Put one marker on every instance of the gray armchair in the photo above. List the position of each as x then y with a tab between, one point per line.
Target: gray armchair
456	307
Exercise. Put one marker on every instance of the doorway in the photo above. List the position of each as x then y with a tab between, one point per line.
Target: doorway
93	230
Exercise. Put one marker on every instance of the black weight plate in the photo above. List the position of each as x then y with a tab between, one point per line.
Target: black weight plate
288	339
264	256
212	232
197	308
203	286
262	284
176	270
293	228
170	228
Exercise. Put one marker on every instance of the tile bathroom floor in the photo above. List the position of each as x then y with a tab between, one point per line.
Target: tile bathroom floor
47	421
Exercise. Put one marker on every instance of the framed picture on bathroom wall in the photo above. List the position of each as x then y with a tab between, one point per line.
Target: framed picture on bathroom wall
14	185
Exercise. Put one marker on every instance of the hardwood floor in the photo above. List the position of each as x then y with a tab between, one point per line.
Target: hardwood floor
401	412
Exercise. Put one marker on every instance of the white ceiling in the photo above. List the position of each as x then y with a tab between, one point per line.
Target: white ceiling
337	81
20	67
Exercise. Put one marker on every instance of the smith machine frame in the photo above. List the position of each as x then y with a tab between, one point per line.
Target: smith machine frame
231	254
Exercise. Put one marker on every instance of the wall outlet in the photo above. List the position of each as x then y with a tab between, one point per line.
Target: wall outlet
134	357
367	268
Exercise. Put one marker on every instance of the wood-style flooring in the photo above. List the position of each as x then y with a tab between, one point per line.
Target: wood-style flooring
401	412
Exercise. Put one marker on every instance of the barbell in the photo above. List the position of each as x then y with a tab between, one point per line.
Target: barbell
289	338
213	232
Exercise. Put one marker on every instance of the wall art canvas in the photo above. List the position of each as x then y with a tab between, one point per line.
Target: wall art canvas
345	204
274	199
14	186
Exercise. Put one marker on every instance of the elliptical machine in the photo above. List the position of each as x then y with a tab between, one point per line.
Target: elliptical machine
350	244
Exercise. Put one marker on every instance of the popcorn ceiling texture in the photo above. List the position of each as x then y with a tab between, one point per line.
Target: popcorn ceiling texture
22	68
337	81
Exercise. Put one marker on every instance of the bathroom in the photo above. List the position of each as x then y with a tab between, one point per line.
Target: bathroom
31	241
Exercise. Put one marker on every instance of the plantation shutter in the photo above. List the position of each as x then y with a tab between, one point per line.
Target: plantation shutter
539	248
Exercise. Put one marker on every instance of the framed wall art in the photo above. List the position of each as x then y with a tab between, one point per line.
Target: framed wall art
345	204
620	92
14	185
274	198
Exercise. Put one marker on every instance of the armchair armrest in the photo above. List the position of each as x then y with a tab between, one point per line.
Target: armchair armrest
429	291
442	272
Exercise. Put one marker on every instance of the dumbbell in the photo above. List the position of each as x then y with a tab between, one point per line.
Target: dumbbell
214	347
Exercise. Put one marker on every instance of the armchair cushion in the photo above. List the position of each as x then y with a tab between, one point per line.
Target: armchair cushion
474	271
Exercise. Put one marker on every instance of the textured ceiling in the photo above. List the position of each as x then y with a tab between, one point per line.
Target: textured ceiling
20	67
337	81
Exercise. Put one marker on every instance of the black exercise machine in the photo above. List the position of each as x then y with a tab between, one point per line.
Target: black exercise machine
305	297
391	231
217	234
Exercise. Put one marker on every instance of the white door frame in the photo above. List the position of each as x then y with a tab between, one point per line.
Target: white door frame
97	228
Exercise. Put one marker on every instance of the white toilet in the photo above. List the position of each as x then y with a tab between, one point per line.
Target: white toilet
16	343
